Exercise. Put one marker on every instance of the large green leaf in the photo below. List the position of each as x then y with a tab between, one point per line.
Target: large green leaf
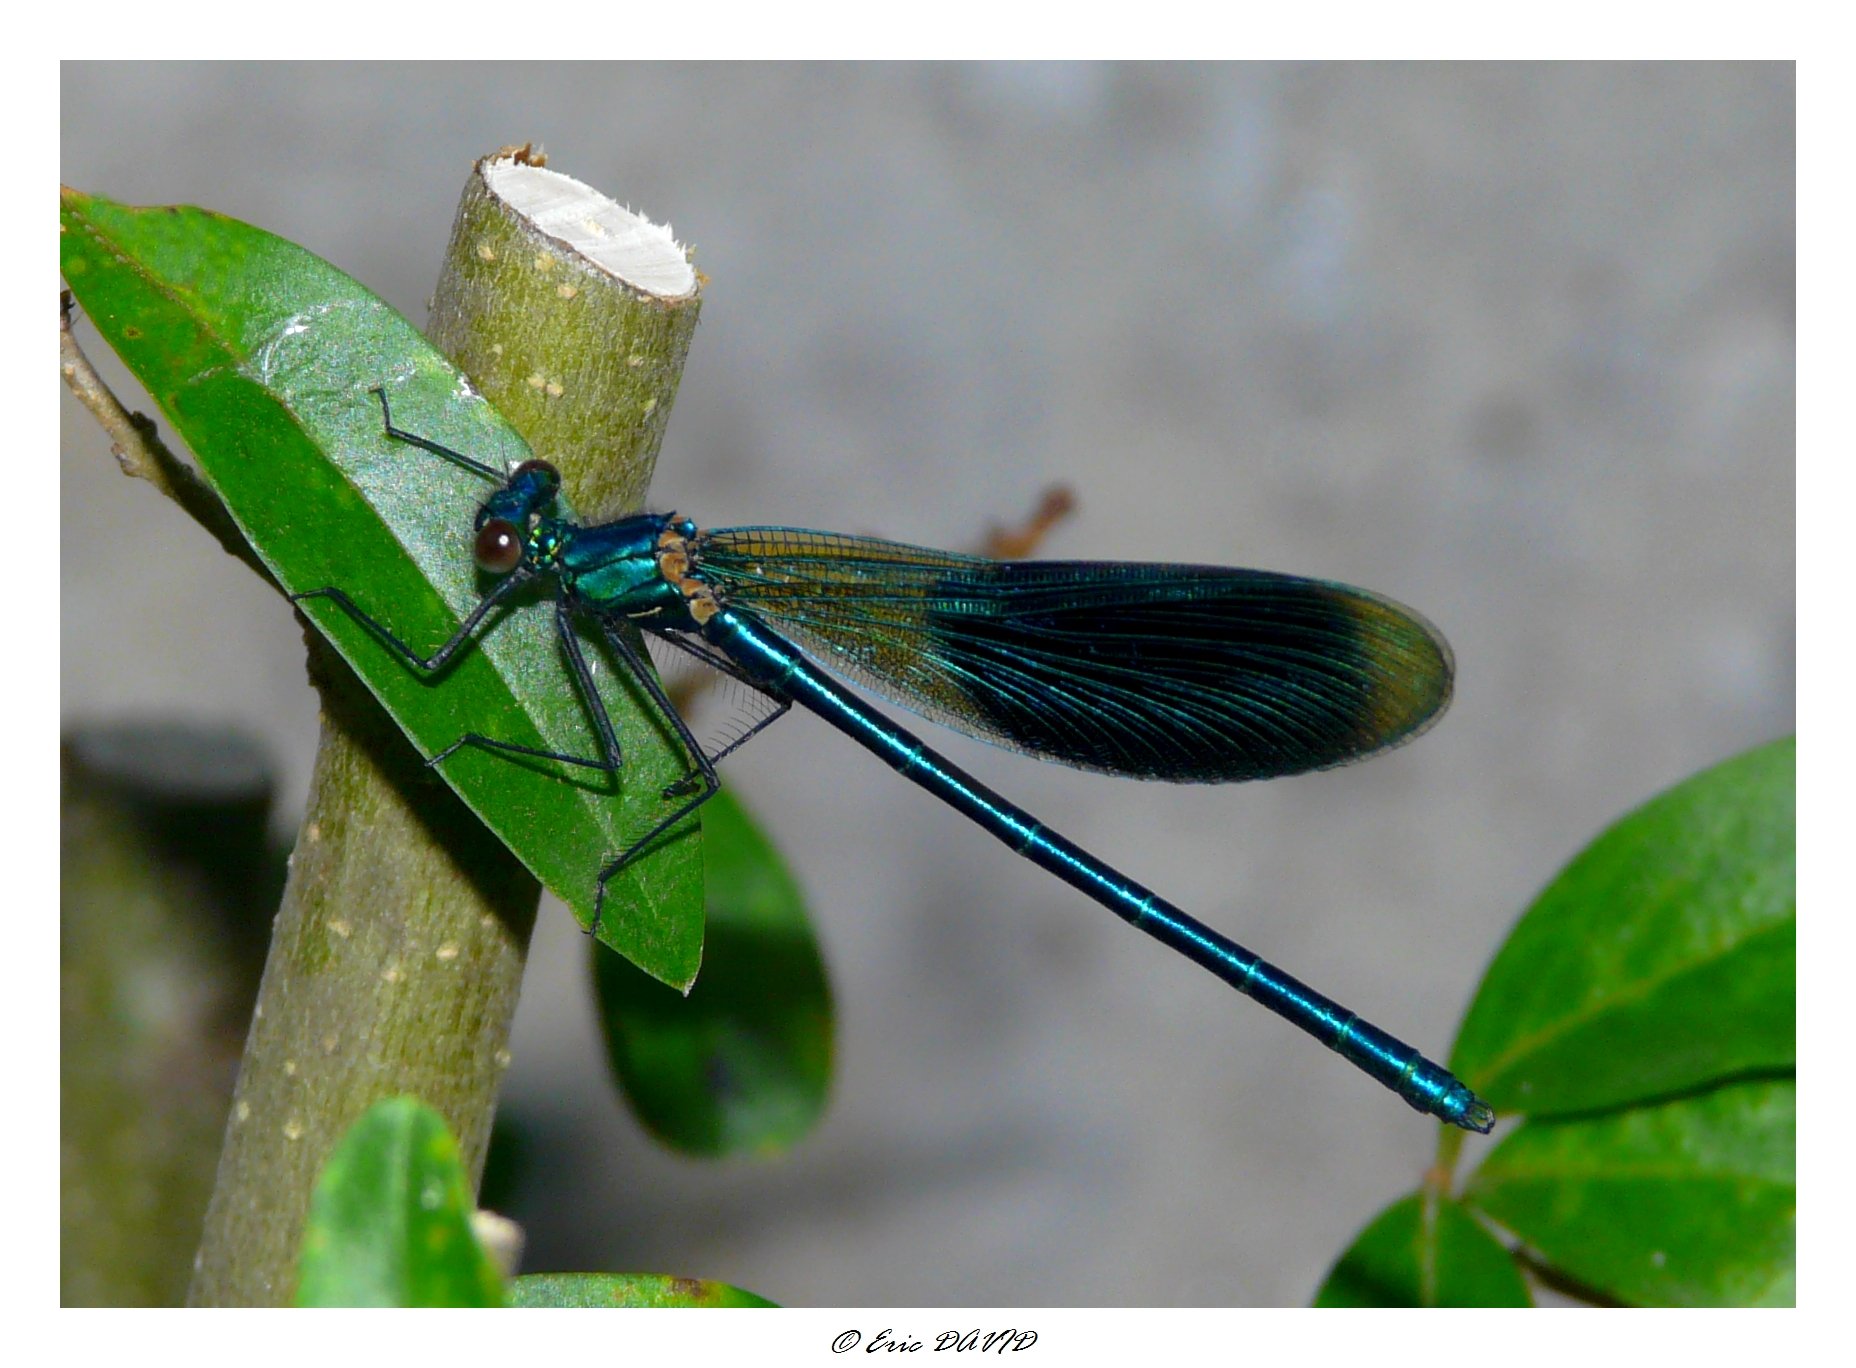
389	1224
625	1290
1661	959
1689	1203
262	356
743	1063
1424	1252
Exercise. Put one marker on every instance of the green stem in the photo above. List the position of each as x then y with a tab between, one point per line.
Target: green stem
394	966
399	947
142	455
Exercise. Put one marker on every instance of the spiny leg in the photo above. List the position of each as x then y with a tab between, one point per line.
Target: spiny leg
436	661
715	660
704	777
612	756
427	444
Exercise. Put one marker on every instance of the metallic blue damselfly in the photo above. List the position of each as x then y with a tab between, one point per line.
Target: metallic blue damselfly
1188	673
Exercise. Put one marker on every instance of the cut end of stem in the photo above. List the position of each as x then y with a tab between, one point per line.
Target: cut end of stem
645	255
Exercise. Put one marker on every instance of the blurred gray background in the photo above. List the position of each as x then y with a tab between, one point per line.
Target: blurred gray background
1510	343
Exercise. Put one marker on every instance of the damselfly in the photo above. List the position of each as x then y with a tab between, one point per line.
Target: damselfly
1188	673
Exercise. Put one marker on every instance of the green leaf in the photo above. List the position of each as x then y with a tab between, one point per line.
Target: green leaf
1424	1252
1661	959
743	1063
1690	1203
389	1224
625	1289
262	356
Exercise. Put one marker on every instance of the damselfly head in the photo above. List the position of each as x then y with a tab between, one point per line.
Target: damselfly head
506	517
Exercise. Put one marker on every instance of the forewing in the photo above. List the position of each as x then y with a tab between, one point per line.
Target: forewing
1179	672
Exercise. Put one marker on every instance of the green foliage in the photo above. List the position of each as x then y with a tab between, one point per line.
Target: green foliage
1424	1251
625	1289
1642	1018
1660	960
742	1064
262	356
1685	1203
389	1224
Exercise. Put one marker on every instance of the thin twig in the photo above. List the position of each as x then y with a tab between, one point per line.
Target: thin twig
1016	543
139	450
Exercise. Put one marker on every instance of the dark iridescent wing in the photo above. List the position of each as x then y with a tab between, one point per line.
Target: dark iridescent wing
1181	672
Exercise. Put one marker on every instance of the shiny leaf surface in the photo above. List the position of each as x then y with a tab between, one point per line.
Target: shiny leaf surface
1689	1203
1661	959
262	357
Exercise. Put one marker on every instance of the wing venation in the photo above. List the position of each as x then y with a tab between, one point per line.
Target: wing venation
1181	672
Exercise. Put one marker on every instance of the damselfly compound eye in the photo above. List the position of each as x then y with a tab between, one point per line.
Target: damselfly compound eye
542	468
499	546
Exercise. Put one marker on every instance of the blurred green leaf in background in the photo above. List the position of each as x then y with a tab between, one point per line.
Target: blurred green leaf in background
1640	1023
